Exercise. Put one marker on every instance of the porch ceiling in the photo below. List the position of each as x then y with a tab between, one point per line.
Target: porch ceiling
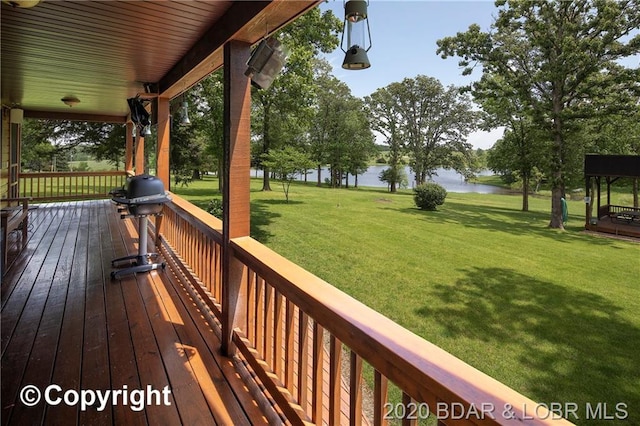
102	52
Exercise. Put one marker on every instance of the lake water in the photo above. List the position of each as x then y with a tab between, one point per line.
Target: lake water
449	179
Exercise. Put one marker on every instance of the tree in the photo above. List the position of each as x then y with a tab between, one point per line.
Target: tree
283	111
340	133
557	59
385	119
209	103
432	122
107	142
187	147
286	163
49	143
394	177
520	151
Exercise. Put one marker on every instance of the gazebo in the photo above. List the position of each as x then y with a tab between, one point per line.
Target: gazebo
610	218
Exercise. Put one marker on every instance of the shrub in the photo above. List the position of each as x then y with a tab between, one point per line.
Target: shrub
215	208
429	196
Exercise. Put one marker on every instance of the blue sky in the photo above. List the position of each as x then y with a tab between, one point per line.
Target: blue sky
404	35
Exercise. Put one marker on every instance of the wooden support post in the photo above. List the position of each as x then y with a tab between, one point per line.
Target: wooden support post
162	154
139	160
237	161
162	149
128	152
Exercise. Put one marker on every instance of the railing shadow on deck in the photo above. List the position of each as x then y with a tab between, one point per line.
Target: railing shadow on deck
296	328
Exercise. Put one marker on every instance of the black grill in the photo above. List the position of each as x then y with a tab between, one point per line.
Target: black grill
141	196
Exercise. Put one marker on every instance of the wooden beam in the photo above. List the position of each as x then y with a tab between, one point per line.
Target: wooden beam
247	21
70	116
237	162
236	17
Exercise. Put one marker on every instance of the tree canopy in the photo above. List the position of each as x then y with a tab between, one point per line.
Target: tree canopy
426	120
557	60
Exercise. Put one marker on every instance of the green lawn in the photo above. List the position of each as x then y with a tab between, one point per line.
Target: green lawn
553	314
94	166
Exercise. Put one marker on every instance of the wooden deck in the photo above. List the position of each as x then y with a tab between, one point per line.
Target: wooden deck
609	226
65	322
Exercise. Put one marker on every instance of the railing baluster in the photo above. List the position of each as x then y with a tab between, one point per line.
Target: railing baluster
289	346
303	359
251	307
381	386
278	334
259	345
335	380
355	390
268	324
410	417
317	375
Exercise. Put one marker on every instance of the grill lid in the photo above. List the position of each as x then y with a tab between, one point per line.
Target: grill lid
143	189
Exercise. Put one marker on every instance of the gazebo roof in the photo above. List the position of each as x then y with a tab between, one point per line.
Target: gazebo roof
612	165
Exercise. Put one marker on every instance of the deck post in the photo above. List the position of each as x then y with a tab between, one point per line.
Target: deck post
128	151
162	148
162	153
237	162
139	156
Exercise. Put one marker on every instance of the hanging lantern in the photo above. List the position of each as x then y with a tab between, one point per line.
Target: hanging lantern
356	27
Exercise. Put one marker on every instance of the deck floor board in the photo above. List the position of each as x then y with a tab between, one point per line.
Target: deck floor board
65	322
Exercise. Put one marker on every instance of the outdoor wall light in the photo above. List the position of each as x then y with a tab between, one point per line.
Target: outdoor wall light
356	26
265	62
147	130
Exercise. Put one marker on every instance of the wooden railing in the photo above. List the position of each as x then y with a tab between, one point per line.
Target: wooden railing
194	239
309	343
50	186
612	209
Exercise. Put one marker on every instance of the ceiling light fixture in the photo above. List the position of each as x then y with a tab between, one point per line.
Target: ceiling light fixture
25	4
70	100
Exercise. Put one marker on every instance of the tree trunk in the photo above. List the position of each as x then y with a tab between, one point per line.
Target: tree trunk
557	191
319	177
525	193
266	145
195	175
635	192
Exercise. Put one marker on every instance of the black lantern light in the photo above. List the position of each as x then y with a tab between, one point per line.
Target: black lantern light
356	26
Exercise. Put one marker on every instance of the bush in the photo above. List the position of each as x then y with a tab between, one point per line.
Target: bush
429	195
215	208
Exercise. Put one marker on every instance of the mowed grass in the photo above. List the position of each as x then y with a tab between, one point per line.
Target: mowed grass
552	314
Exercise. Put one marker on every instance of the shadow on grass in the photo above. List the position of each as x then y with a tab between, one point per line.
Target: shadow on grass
575	345
261	217
501	219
